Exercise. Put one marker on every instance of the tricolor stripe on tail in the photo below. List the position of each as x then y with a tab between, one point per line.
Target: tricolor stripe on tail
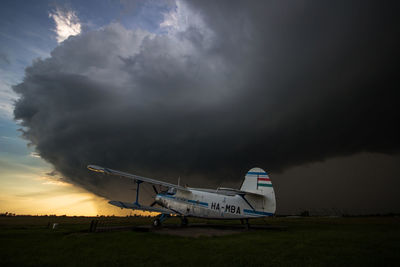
257	180
262	179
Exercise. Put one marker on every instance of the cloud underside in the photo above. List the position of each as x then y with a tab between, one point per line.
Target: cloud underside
235	86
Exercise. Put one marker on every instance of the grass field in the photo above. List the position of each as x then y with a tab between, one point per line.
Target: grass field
371	241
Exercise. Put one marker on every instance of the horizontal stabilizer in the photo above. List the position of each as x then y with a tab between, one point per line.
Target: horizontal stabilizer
236	192
134	206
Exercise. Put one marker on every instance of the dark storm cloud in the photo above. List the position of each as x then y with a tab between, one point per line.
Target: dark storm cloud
240	84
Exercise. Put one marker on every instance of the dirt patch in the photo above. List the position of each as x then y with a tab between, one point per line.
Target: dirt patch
197	230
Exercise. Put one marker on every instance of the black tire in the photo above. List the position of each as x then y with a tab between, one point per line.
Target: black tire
156	223
184	221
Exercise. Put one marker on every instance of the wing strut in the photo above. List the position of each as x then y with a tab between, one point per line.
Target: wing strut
138	182
155	190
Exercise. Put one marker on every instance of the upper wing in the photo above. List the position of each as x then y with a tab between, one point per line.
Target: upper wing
96	168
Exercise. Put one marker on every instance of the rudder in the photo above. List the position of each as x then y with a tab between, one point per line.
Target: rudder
257	181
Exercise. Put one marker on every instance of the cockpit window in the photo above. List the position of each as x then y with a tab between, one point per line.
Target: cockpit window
170	191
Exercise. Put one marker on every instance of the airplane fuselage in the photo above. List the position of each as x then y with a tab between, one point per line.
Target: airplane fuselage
198	203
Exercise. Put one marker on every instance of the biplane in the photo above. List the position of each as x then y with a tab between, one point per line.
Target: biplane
254	199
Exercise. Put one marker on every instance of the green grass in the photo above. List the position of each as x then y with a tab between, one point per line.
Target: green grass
25	241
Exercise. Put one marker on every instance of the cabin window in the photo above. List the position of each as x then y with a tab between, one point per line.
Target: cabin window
171	191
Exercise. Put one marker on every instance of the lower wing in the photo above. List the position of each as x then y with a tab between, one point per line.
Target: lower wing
135	206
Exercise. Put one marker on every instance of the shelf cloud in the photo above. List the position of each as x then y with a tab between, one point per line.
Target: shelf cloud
239	84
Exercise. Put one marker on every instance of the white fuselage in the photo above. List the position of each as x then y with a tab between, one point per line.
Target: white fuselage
203	204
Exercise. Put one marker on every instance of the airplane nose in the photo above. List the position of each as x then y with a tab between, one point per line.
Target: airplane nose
158	199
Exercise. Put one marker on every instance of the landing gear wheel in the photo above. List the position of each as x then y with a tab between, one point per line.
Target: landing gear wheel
247	224
156	223
184	221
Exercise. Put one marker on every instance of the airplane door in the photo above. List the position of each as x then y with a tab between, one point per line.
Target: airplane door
222	208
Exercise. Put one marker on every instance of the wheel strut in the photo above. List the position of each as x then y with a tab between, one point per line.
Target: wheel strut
159	220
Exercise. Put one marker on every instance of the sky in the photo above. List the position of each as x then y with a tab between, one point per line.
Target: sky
203	91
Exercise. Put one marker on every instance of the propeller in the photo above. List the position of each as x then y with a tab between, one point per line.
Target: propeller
155	189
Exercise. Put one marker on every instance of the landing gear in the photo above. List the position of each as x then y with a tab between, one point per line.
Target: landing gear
184	221
158	221
247	225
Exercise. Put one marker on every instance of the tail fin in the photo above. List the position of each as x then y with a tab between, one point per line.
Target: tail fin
257	181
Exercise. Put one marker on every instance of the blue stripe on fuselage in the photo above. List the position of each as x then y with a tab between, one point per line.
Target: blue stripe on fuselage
188	200
258	212
198	202
167	196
